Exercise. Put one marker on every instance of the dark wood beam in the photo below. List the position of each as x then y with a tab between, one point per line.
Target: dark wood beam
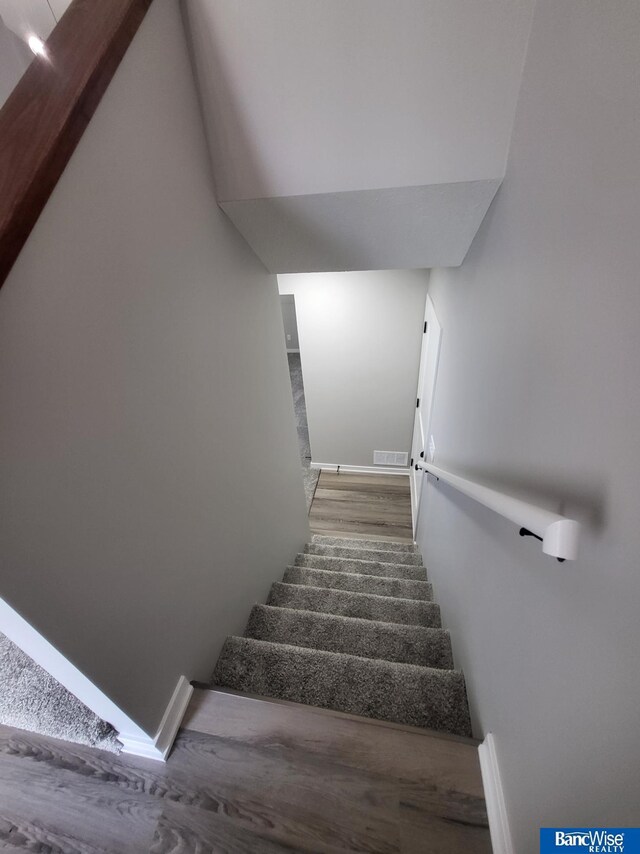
45	116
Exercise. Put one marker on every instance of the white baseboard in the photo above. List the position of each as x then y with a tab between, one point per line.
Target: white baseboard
159	746
134	738
494	796
361	469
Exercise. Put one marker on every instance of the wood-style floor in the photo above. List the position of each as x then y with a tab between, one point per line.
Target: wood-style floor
248	775
361	506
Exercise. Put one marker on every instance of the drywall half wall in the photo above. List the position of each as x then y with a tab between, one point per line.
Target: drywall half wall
150	484
360	337
538	393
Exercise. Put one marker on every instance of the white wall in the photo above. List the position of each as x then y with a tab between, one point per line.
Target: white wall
150	484
15	57
538	391
305	97
360	337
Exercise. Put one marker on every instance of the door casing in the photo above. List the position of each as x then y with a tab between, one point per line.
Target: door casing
429	358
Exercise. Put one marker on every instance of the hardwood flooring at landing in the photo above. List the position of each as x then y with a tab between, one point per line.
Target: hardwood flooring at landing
248	776
361	506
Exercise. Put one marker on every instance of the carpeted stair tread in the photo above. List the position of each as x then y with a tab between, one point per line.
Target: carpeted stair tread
367	606
403	588
31	699
366	567
354	543
401	693
429	647
378	555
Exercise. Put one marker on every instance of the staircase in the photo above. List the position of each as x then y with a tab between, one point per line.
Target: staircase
352	627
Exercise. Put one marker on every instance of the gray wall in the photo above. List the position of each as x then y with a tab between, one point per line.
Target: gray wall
289	321
360	338
150	482
306	97
364	135
15	57
538	392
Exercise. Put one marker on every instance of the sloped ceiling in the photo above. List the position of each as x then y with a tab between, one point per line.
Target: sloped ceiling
371	133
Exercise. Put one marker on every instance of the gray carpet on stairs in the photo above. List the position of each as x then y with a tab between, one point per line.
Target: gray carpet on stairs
386	556
309	476
386	690
403	588
367	638
33	700
366	567
354	543
367	606
353	635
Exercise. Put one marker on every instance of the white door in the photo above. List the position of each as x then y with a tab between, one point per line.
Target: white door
424	402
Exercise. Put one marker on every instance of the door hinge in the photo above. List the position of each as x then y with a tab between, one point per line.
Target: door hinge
418	403
425	326
411	463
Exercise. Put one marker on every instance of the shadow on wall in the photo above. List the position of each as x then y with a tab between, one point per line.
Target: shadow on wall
296	234
291	221
584	498
202	43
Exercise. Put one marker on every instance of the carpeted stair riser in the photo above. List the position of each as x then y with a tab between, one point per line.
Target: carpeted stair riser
353	543
387	609
410	558
427	647
399	587
366	567
402	693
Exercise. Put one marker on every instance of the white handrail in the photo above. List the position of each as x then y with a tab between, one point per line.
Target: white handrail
559	535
